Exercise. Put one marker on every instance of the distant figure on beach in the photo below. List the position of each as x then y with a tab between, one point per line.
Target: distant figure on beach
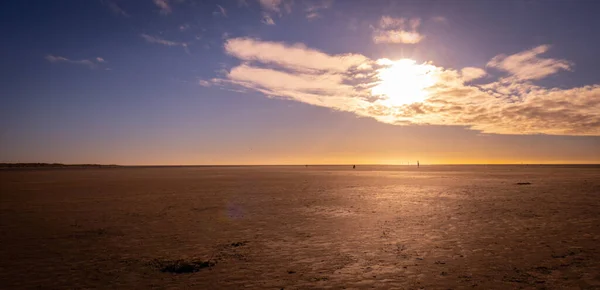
353	166
417	163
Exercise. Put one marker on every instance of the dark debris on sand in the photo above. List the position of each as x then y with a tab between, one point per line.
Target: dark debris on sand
191	266
181	266
239	244
523	183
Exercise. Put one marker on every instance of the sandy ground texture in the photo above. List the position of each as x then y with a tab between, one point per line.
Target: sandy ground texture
435	227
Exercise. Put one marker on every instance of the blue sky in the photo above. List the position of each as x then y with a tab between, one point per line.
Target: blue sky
295	82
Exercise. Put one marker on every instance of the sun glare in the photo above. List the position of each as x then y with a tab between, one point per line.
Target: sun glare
403	81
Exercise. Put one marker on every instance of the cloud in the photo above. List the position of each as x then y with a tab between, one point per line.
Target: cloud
222	11
472	73
204	83
296	56
164	6
380	89
313	8
86	62
267	19
312	15
439	19
527	65
397	30
115	8
155	39
270	5
274	6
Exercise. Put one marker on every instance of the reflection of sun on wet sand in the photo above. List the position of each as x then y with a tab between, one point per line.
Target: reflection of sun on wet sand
484	227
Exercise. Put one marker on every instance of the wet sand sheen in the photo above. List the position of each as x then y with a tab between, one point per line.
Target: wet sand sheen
487	227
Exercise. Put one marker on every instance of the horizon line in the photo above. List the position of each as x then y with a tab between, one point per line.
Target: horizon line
47	164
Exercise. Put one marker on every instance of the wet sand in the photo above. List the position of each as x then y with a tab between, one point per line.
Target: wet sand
435	227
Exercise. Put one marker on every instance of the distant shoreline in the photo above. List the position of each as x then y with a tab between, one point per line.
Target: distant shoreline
77	166
55	165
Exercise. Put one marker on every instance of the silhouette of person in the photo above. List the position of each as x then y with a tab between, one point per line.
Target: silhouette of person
417	163
353	166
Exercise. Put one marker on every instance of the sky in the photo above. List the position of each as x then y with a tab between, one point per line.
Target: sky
190	82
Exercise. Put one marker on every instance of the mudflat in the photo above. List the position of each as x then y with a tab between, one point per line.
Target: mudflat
433	227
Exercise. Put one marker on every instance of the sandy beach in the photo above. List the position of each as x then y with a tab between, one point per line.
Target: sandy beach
316	227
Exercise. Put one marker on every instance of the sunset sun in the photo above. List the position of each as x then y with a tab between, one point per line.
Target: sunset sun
403	81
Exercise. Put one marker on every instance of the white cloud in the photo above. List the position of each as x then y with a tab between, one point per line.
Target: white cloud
312	15
318	5
527	65
52	58
115	8
347	82
440	19
387	22
222	10
397	30
204	83
314	7
155	39
86	62
297	56
276	6
396	36
267	19
164	6
472	73
271	5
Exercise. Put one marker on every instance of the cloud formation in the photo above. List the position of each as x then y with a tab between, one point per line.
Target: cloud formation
115	8
204	83
156	39
297	56
164	6
439	19
270	5
314	8
267	19
472	73
397	30
221	10
86	62
382	89
527	65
